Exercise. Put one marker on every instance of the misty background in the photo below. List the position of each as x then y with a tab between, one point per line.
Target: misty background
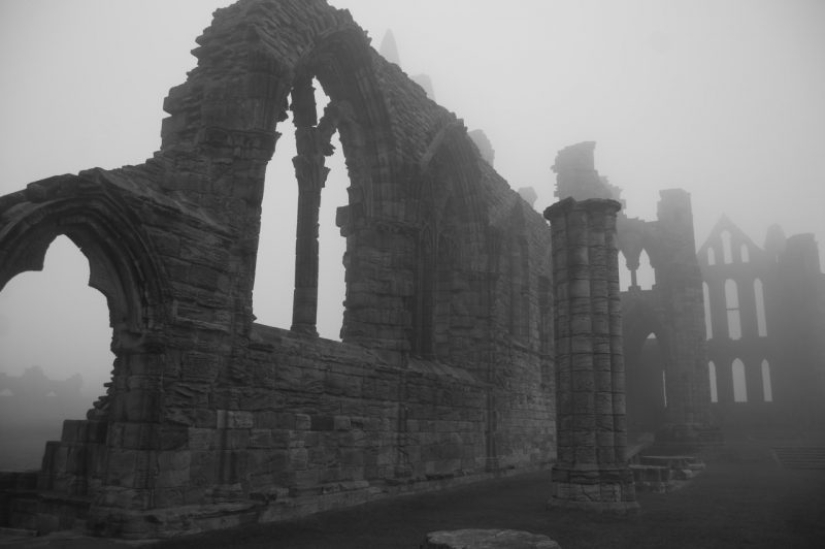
725	99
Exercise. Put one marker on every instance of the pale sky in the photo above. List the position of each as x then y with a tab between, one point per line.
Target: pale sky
723	98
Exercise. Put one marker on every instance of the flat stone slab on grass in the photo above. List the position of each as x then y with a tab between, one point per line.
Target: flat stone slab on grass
476	538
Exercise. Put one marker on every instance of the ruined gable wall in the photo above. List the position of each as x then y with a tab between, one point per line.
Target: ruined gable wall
790	282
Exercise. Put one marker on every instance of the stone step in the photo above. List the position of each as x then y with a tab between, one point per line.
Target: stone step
6	533
800	457
650	473
475	538
673	462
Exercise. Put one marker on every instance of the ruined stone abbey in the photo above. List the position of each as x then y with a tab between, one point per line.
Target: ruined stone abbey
478	340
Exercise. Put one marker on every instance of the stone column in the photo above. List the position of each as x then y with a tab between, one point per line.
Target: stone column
591	471
311	175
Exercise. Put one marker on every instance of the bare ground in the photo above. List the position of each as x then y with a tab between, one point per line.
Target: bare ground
745	498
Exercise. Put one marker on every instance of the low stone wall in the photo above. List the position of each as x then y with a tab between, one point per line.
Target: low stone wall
297	426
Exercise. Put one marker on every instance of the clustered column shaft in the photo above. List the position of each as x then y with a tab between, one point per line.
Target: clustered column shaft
311	175
591	471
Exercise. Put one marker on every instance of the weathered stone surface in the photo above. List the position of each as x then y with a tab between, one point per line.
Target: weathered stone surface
591	471
488	539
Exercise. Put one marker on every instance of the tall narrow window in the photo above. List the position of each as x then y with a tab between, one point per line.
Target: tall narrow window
744	253
767	389
645	275
740	387
708	322
519	290
727	252
732	306
711	256
761	323
664	388
714	392
625	279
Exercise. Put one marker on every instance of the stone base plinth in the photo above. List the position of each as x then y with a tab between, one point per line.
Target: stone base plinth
474	538
604	490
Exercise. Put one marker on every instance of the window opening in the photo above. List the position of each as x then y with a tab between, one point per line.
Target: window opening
275	268
708	320
727	252
711	256
274	293
744	253
740	387
732	305
759	295
645	275
664	388
767	388
714	391
624	273
519	290
55	339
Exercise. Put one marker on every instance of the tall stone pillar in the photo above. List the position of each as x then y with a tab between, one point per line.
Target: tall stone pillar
591	471
311	175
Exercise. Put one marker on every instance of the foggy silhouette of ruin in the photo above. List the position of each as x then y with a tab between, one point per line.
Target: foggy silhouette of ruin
477	341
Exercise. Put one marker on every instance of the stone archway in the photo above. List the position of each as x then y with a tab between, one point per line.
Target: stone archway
123	268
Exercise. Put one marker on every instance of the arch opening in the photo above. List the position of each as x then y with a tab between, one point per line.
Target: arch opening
277	272
645	274
56	339
646	387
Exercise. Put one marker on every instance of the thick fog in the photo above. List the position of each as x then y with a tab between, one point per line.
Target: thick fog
723	99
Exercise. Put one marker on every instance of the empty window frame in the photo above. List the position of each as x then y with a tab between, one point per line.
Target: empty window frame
732	306
740	386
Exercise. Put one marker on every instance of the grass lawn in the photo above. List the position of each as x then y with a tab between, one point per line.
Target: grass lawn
743	499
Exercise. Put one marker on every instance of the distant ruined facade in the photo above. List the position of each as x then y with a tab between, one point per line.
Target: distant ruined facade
446	372
765	320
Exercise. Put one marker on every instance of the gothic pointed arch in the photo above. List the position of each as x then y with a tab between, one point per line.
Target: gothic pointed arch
121	257
449	217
